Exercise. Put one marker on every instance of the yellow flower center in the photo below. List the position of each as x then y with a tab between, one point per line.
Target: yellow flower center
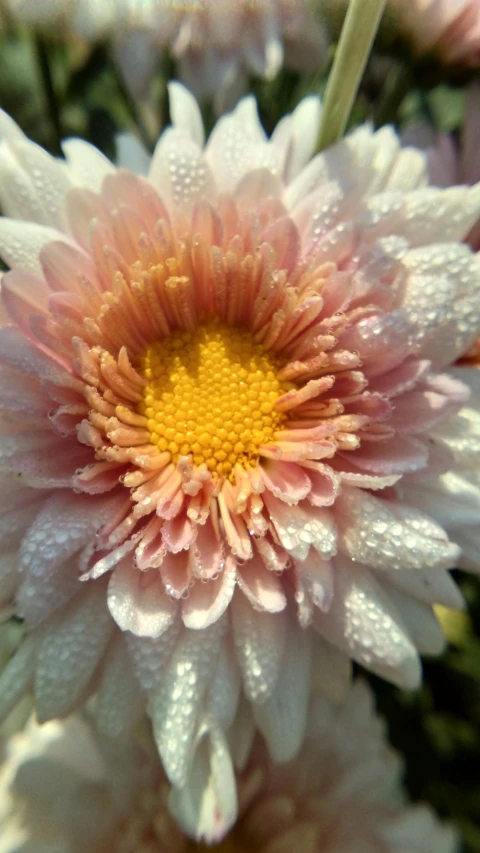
211	395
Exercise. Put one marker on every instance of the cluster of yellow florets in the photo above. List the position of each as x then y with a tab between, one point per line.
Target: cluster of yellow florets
211	395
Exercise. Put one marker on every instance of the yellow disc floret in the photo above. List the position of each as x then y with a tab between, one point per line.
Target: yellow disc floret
211	396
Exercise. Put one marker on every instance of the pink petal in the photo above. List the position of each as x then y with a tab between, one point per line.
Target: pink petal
175	573
285	480
401	454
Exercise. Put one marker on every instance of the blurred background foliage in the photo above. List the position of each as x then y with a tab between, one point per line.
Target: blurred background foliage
55	90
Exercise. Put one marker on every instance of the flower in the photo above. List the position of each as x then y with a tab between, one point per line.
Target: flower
88	18
64	789
216	44
449	30
224	471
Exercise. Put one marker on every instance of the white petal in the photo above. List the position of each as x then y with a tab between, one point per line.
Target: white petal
442	299
360	163
13	524
241	734
331	670
434	214
50	572
9	129
432	586
421	623
418	829
224	692
73	646
387	535
150	656
451	499
179	171
119	699
260	645
206	807
208	601
39	596
137	58
138	601
461	432
468	539
48	180
63	526
298	529
409	170
131	154
87	165
21	243
17	193
185	112
237	146
295	136
363	623
176	704
282	718
262	587
317	578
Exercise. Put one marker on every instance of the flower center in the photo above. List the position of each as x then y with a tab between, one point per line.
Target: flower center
211	395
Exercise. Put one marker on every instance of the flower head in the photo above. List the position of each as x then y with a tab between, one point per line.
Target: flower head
63	788
224	471
216	44
451	30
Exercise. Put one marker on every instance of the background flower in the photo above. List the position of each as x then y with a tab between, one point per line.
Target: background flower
64	789
335	292
216	45
451	30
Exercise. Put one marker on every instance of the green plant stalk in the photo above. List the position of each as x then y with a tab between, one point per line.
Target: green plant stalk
353	49
51	100
399	82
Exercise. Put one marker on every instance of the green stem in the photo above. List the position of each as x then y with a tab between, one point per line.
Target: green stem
356	39
49	91
392	96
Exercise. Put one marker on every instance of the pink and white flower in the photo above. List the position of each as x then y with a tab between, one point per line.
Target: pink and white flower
62	788
216	44
225	465
449	29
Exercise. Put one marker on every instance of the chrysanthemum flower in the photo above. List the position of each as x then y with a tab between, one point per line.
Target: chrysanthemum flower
217	44
63	789
449	29
223	397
